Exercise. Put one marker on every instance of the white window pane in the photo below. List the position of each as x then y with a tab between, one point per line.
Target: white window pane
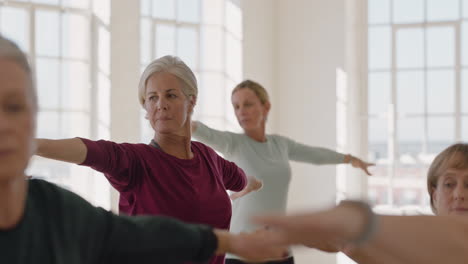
103	101
103	132
188	11
48	125
83	4
405	11
102	9
464	136
165	40
145	7
75	86
410	135
465	8
47	33
229	109
410	48
75	36
14	24
212	48
464	90
407	196
145	41
104	50
213	12
440	46
379	47
233	19
233	58
410	92
378	133
75	125
50	2
443	10
441	91
187	46
163	9
379	85
47	74
378	11
464	42
441	132
211	94
377	193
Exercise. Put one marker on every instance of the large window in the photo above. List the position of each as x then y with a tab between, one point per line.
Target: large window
207	35
68	45
417	92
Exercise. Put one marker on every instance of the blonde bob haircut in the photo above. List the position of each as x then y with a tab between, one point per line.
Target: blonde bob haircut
255	87
173	65
453	157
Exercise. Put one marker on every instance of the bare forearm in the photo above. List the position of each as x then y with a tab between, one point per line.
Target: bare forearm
69	150
421	239
372	254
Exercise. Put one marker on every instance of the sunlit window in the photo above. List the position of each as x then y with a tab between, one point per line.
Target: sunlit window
207	35
72	71
417	93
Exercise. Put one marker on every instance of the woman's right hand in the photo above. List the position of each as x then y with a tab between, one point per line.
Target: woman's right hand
253	184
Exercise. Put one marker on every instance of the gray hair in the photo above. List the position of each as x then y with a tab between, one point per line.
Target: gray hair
173	65
10	51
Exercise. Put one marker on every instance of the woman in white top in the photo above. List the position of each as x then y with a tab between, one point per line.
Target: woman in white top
265	156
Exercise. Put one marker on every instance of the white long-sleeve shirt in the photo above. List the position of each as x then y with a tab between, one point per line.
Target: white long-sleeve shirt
267	161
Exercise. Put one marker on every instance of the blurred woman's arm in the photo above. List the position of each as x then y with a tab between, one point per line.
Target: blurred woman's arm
396	239
71	150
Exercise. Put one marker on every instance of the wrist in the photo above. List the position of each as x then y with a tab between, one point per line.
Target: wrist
348	158
224	243
364	226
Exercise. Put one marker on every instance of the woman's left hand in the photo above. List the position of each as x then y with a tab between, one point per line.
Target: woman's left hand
253	184
360	164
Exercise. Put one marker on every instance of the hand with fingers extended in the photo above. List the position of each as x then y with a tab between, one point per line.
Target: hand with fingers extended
358	163
253	184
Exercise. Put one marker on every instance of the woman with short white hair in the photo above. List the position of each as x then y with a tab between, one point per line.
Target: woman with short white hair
171	175
43	223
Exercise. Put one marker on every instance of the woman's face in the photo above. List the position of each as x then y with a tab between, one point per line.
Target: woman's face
17	120
168	109
250	112
450	195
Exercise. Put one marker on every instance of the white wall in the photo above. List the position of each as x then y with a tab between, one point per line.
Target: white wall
125	65
294	47
259	48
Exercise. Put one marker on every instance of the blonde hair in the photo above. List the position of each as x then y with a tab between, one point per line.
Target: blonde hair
453	157
9	50
173	65
255	87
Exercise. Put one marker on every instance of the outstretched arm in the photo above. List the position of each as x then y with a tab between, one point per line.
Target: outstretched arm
358	163
409	239
71	150
322	156
221	141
